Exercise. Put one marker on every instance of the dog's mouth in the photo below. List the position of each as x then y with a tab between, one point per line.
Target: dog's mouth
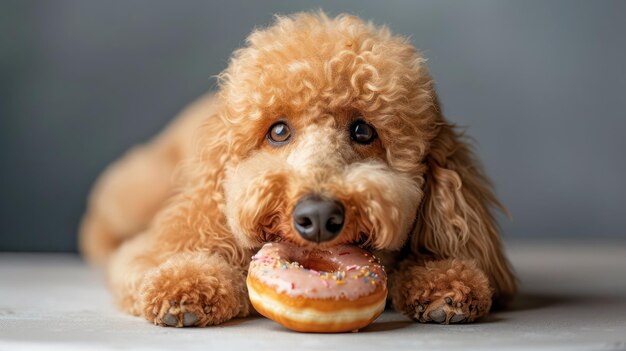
305	228
288	233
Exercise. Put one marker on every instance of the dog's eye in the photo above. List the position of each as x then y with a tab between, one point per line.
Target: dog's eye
362	132
279	133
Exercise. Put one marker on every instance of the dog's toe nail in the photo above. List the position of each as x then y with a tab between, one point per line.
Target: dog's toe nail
189	319
437	315
448	300
170	320
457	318
421	308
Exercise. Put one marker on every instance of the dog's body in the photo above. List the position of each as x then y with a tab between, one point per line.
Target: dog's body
336	109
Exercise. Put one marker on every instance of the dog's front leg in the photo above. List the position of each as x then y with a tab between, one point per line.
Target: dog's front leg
194	289
186	270
440	291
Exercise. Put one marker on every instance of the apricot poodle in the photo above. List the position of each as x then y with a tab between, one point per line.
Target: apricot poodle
333	112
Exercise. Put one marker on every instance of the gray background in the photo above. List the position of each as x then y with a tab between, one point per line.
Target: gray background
540	86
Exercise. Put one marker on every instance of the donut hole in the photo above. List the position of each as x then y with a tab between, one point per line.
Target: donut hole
319	265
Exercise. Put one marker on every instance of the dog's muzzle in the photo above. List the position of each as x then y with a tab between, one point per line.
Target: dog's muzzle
318	219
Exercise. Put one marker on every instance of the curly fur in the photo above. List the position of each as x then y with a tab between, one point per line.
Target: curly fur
177	219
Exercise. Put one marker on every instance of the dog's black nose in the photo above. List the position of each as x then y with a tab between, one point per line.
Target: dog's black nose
318	219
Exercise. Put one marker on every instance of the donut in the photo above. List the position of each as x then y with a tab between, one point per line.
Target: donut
338	289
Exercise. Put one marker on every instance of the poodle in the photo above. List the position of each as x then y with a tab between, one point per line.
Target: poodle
335	113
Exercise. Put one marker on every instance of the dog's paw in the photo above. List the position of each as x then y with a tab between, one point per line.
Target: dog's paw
446	310
445	292
194	289
178	315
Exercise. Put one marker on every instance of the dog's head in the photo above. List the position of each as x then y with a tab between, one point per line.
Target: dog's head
330	125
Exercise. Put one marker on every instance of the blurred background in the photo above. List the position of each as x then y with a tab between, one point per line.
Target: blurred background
540	85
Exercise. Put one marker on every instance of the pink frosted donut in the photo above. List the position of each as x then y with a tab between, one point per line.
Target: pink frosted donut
338	289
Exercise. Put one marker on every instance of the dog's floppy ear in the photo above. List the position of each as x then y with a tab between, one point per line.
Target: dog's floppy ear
455	219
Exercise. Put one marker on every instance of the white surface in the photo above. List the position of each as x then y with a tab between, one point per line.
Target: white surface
573	297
